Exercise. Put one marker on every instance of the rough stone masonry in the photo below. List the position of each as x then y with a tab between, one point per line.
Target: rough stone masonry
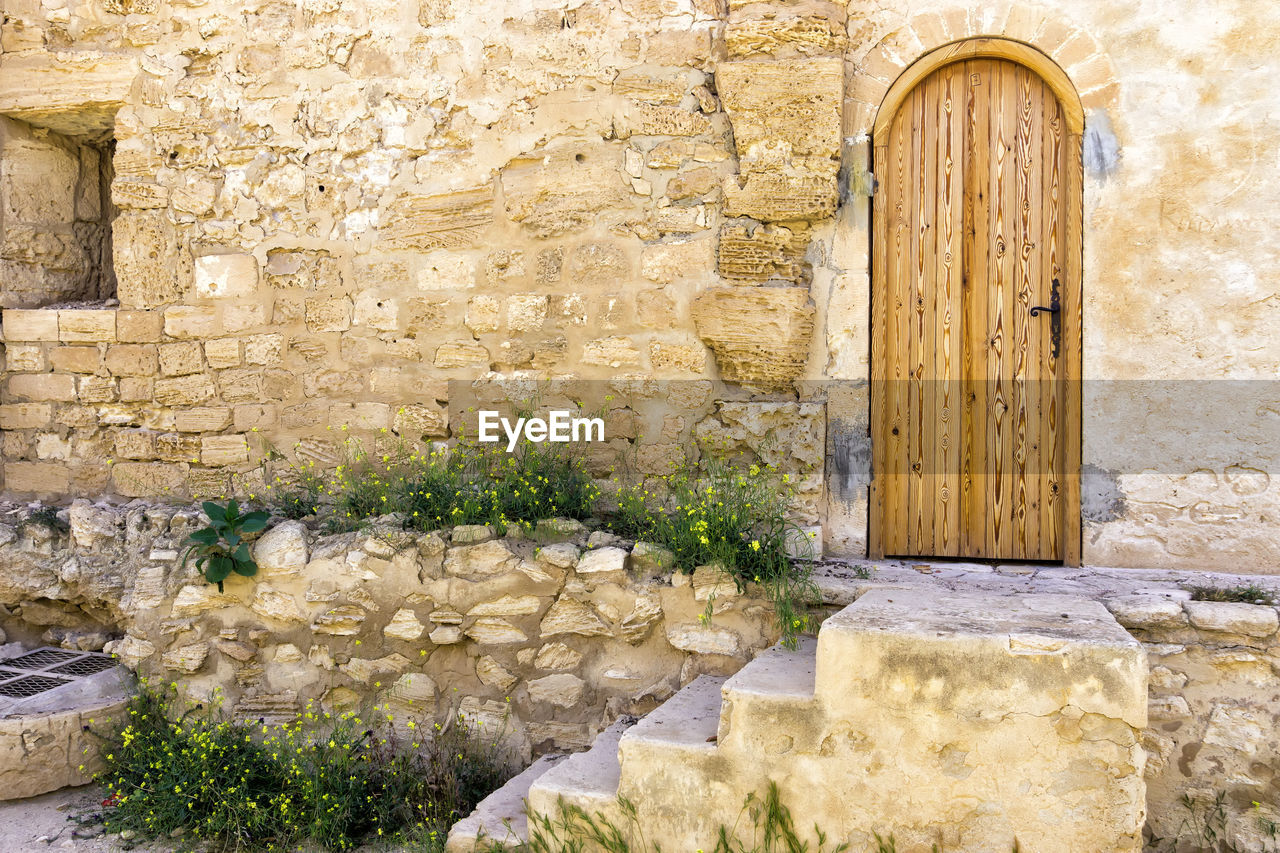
320	212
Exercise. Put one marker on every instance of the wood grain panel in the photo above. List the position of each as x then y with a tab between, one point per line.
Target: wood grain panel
975	422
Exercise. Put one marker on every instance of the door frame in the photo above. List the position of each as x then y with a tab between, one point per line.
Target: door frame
1059	83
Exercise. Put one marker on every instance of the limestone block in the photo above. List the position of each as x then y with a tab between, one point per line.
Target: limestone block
444	221
763	253
483	314
603	565
807	35
360	416
148	479
28	358
757	334
130	650
181	359
692	183
508	605
25	415
139	327
645	613
188	658
344	621
772	196
38	324
404	625
446	635
132	360
418	421
493	674
203	419
377	311
703	639
191	321
647	86
650	560
72	92
415	689
563	188
43	386
192	600
184	390
282	550
471	534
661	120
678	259
669	358
96	389
712	582
487	559
794	102
557	656
329	314
93	526
445	270
560	556
145	247
614	351
561	689
226	276
365	671
526	312
87	325
222	353
138	195
571	616
461	355
490	630
1251	620
1146	611
271	603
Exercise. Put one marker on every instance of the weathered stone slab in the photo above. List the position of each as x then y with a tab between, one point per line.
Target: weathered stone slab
759	334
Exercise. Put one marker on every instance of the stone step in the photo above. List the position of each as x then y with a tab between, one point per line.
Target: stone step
499	821
680	735
767	703
588	779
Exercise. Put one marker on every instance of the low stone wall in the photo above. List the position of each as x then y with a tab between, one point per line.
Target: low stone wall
558	630
44	752
1214	713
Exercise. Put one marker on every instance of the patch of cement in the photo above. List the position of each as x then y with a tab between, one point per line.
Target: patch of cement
1101	499
1101	147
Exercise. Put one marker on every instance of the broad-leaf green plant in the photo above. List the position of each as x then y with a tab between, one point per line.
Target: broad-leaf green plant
220	548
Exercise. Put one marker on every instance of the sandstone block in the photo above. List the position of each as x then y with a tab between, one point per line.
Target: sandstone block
461	355
130	650
135	444
203	419
561	689
677	358
614	351
471	534
329	314
132	360
415	689
772	196
480	561
191	321
704	639
764	253
490	630
808	35
493	674
603	565
404	625
418	421
270	603
27	358
446	635
192	600
36	477
557	656
38	324
139	327
181	359
43	386
793	102
96	389
148	479
376	311
222	353
226	276
679	259
1146	611
282	550
757	334
650	560
175	447
145	246
344	621
25	415
571	616
74	359
444	221
508	605
139	195
188	658
365	670
526	312
184	390
645	613
563	188
712	582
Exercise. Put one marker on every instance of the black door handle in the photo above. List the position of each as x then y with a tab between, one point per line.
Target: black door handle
1055	318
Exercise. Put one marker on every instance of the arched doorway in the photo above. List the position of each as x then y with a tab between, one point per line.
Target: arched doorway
975	308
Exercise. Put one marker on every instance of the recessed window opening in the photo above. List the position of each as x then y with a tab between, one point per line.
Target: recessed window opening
55	214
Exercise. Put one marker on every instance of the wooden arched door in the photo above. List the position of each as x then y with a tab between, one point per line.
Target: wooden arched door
976	313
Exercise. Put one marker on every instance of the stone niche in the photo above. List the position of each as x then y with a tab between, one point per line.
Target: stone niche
55	216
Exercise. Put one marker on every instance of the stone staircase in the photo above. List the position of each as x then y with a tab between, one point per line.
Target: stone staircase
963	720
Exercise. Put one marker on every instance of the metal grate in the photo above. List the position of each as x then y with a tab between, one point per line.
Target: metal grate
21	688
42	658
88	665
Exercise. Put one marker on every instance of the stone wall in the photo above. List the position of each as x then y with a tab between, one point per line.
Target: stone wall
331	209
1214	712
560	636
